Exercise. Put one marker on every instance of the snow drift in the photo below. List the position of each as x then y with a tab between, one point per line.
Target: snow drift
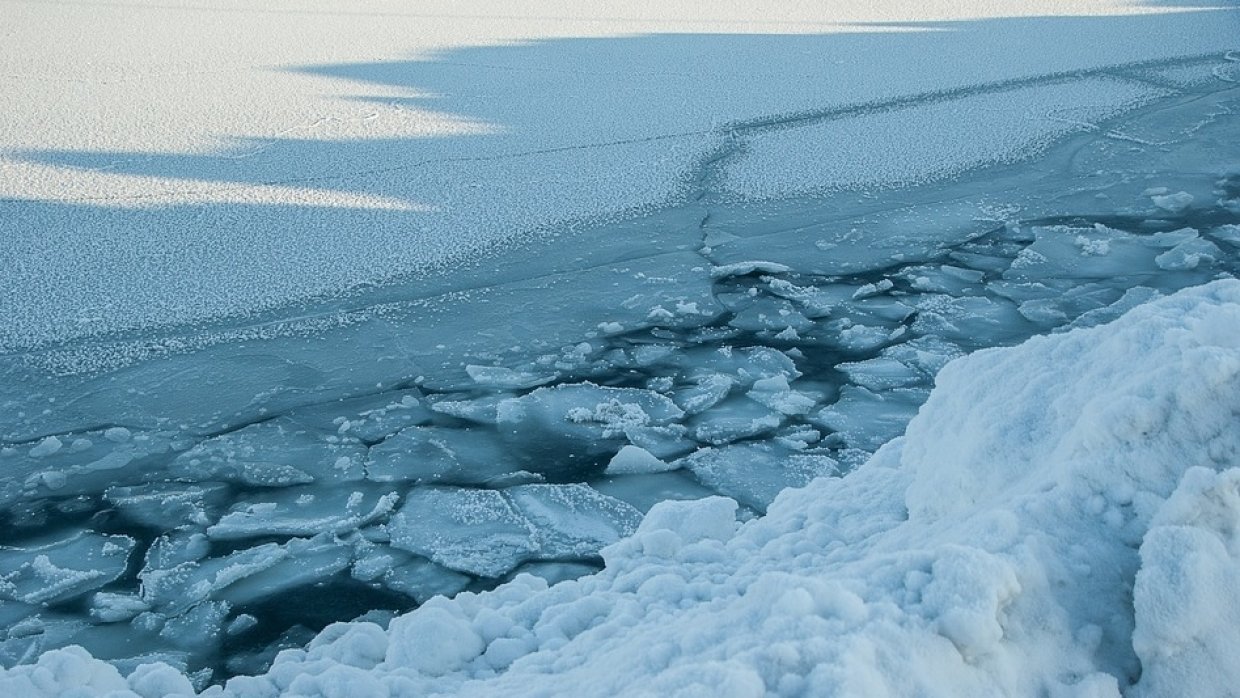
1061	518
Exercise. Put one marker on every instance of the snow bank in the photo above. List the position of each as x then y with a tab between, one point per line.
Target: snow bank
1060	519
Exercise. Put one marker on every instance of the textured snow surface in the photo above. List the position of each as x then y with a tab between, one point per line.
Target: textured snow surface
337	144
1059	519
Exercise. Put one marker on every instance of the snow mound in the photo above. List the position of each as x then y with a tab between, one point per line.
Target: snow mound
1059	519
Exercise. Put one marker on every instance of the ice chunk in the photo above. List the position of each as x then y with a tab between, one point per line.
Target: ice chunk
865	419
370	418
811	301
753	473
644	491
173	587
12	612
277	453
1165	240
743	365
662	442
776	394
569	429
986	263
186	544
1074	253
928	354
587	410
1132	298
479	410
55	571
1229	233
944	278
1173	203
507	378
374	560
882	373
473	531
46	447
108	607
262	572
1189	255
733	419
634	460
423	580
845	335
409	574
87	465
169	505
972	321
747	267
435	454
572	521
198	629
1052	307
707	391
768	313
118	435
304	511
878	309
647	355
873	289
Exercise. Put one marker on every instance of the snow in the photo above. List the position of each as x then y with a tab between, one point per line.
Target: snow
993	549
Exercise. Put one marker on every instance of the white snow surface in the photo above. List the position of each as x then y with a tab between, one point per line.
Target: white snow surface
1060	519
152	178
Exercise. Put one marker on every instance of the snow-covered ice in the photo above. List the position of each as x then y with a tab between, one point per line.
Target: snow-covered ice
374	142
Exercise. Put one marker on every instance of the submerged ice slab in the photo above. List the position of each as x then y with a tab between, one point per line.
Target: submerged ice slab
488	533
573	521
276	453
473	531
433	454
753	474
304	511
61	570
